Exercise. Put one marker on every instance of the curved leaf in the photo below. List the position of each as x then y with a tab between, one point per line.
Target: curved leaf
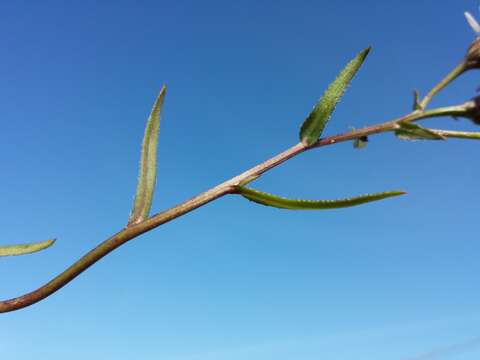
316	121
410	131
283	203
22	249
148	164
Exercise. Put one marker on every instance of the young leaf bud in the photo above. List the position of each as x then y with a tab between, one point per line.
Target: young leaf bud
473	111
472	59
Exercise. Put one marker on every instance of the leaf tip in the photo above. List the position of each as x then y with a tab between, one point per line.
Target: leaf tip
161	95
50	242
416	100
364	53
23	249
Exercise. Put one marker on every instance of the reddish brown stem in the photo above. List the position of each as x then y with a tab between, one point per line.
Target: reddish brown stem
226	187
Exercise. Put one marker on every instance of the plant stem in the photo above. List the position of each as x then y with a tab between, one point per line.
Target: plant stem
227	187
133	231
457	110
458	134
456	72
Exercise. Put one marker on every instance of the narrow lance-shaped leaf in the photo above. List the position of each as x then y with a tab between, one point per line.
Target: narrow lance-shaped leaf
416	100
148	164
410	131
316	121
283	203
22	249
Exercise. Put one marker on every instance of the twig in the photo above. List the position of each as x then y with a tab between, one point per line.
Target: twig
227	187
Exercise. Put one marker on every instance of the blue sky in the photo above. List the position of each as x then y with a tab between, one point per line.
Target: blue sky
395	280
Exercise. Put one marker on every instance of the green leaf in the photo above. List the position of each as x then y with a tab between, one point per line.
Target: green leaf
22	249
410	131
148	164
416	101
361	142
316	121
283	203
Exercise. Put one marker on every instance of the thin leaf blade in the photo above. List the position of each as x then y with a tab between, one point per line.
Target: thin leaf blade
416	101
23	249
148	164
284	203
316	121
410	131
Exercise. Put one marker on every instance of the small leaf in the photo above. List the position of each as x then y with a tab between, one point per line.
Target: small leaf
148	164
22	249
361	142
283	203
410	131
416	101
316	121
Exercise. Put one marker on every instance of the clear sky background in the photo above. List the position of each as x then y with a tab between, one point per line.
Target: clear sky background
392	280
